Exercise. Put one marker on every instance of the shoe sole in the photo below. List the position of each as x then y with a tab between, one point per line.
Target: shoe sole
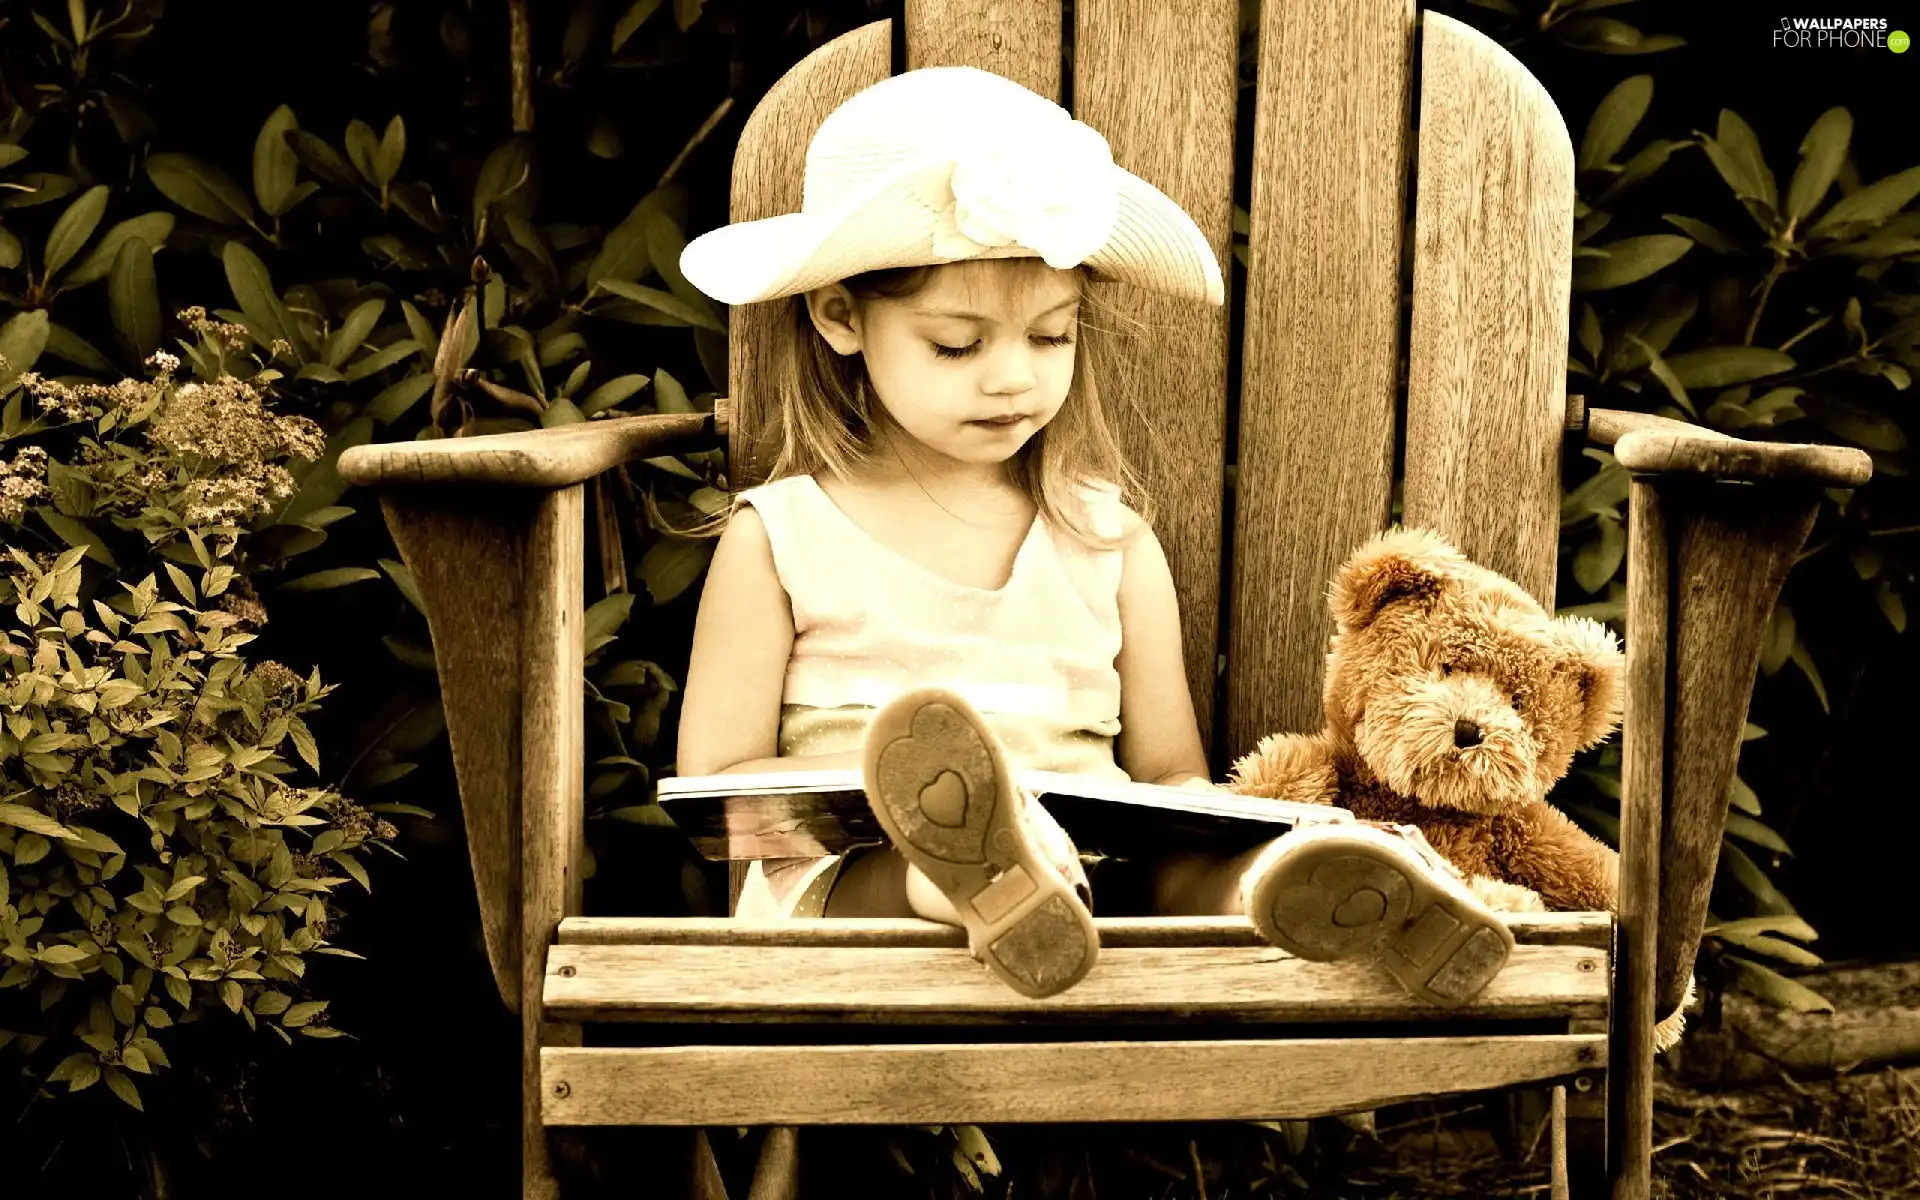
1346	892
940	787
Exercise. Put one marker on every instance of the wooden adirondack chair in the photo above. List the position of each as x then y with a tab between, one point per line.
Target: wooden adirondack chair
492	530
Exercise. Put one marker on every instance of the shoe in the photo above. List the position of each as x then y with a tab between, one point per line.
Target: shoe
940	786
1352	890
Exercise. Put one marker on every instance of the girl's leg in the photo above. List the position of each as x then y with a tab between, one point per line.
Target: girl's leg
941	787
1352	890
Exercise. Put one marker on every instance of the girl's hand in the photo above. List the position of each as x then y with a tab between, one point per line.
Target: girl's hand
1197	784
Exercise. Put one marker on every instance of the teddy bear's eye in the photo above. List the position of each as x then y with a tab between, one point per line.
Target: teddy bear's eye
1446	668
1516	702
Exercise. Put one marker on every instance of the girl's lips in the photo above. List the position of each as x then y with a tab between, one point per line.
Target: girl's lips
1000	422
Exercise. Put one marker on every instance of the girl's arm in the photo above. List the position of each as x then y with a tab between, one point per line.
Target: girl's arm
742	638
1159	738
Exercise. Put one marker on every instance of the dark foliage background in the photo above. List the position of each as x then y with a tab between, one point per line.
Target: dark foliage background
424	1093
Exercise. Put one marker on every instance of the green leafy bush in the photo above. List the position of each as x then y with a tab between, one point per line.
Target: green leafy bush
159	861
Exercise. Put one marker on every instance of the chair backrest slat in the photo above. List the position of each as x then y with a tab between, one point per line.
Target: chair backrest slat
768	167
1019	39
1320	349
1169	116
1486	385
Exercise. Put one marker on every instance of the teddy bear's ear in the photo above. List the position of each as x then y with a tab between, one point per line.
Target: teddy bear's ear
1397	566
1601	669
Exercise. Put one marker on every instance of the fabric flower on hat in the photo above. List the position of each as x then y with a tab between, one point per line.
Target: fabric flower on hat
1053	192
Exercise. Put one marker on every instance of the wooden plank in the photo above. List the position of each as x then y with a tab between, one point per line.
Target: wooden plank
903	985
1734	458
1642	787
1733	547
1072	1082
768	169
1591	929
1487	352
1019	39
1320	350
1160	82
542	458
552	758
466	548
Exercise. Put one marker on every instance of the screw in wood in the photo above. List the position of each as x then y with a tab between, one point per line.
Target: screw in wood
569	971
1582	1084
561	1090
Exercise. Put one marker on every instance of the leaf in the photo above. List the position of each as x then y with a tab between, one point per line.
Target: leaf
1744	872
1821	153
667	303
560	411
200	187
392	150
422	331
1873	203
506	170
612	393
274	162
671	564
395	400
1736	140
1892	606
363	148
1703	233
1776	988
152	228
76	533
303	1012
253	291
319	156
1749	830
1779	640
1723	366
403	580
623	252
668	395
123	1087
1857	423
64	343
1662	371
631	20
1599	558
354	330
321	581
10	250
1800	658
74	228
1788	924
1614	121
22	339
1740	795
686	12
133	300
1629	260
379	360
606	616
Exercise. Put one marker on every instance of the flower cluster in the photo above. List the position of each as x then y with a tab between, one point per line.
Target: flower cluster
1053	191
22	481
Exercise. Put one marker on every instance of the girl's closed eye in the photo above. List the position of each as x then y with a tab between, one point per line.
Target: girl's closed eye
945	351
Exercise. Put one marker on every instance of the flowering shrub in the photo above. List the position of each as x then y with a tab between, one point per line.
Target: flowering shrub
158	864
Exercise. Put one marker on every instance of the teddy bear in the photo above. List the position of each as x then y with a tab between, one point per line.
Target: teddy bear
1453	703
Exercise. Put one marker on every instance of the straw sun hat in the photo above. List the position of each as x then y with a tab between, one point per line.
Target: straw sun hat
950	163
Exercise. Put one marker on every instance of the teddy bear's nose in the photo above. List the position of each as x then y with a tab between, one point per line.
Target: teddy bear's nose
1465	733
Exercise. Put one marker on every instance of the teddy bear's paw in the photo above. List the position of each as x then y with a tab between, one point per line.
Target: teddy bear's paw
1667	1032
1288	766
1501	896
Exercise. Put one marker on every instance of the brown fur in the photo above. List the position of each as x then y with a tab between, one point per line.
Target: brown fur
1424	641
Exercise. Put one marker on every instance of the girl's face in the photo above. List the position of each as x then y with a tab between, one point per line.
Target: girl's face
975	363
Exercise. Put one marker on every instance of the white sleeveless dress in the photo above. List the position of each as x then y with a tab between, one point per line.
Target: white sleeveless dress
1036	657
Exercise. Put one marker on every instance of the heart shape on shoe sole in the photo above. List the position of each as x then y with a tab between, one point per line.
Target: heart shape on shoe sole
939	785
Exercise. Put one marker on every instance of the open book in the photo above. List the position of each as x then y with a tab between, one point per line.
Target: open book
790	814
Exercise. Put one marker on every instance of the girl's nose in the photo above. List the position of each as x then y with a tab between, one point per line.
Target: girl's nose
1010	371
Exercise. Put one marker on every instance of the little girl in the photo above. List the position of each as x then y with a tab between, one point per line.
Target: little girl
940	582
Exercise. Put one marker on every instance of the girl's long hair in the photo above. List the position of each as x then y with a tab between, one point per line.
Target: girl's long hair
826	419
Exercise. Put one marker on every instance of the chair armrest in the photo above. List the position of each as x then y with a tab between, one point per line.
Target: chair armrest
537	458
1651	445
